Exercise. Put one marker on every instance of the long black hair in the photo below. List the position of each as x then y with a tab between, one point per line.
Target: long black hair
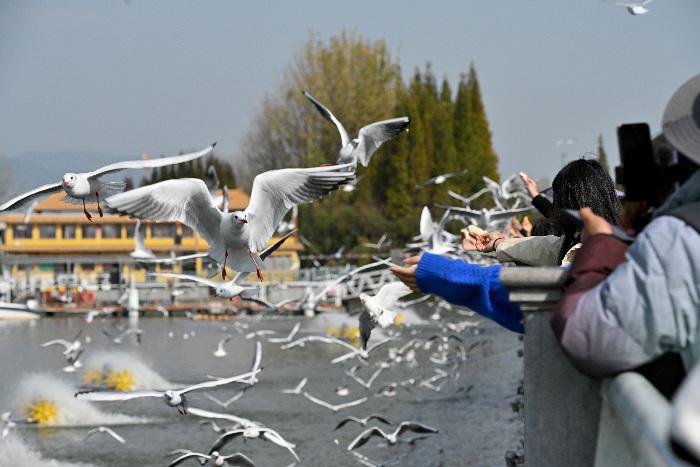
583	183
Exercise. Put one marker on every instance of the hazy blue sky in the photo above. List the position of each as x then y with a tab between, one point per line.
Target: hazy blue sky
120	78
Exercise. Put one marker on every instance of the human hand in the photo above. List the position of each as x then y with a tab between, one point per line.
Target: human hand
530	185
407	275
527	226
593	224
487	243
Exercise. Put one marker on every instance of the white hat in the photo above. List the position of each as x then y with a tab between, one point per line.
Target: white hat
681	121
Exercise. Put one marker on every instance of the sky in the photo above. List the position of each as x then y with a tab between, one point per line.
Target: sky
104	80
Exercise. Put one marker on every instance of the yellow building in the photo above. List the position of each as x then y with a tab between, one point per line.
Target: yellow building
57	244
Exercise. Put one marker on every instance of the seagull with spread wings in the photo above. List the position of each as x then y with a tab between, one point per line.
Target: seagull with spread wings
369	138
87	187
172	397
380	309
440	179
106	430
236	236
391	438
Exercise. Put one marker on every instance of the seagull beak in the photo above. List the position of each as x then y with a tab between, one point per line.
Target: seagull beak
243	221
65	184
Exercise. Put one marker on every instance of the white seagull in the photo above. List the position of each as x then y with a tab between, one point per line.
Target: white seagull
379	245
68	346
171	397
381	308
440	179
362	421
635	8
488	219
365	383
237	236
227	402
86	187
104	429
220	351
334	408
391	438
290	336
296	390
252	432
369	138
172	259
140	251
229	289
215	458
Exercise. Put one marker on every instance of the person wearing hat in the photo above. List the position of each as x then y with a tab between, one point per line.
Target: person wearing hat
627	305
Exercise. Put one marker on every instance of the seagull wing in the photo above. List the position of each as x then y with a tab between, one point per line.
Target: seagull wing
351	403
426	183
108	396
24	198
414	426
274	437
319	401
372	136
427	227
366	324
151	163
348	275
185	200
62	342
275	192
222	416
390	293
186	277
505	215
263	255
376	416
139	237
365	436
222	440
328	115
218	382
112	433
238	459
189	455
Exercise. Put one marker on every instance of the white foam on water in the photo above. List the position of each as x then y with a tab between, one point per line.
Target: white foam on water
115	360
61	394
15	452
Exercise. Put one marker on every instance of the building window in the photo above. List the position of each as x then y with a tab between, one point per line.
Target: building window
89	231
69	232
111	231
87	267
187	232
130	230
22	231
47	231
162	230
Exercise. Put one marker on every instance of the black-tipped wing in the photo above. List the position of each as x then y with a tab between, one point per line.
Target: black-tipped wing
328	115
224	439
372	136
415	427
238	459
365	436
25	198
189	455
275	192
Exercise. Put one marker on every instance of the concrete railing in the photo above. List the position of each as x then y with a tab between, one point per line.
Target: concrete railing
572	420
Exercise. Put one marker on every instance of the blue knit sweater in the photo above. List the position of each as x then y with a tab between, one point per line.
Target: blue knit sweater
471	285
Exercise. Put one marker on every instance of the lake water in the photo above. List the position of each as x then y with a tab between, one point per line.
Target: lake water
476	424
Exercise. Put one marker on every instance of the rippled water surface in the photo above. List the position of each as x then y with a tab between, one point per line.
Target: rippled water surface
472	412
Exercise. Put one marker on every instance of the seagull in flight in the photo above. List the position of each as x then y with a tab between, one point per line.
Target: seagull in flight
379	245
635	8
290	336
86	187
297	389
253	432
369	138
334	408
140	252
380	309
104	429
220	351
487	219
236	236
440	179
69	347
391	438
365	383
362	421
227	402
230	289
215	458
171	397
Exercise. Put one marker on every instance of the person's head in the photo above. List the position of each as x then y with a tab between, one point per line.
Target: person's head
583	183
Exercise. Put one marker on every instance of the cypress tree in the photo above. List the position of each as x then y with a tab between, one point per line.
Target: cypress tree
484	156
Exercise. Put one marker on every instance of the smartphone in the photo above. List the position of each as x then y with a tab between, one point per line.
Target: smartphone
575	217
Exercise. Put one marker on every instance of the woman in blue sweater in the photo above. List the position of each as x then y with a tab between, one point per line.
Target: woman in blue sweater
581	183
